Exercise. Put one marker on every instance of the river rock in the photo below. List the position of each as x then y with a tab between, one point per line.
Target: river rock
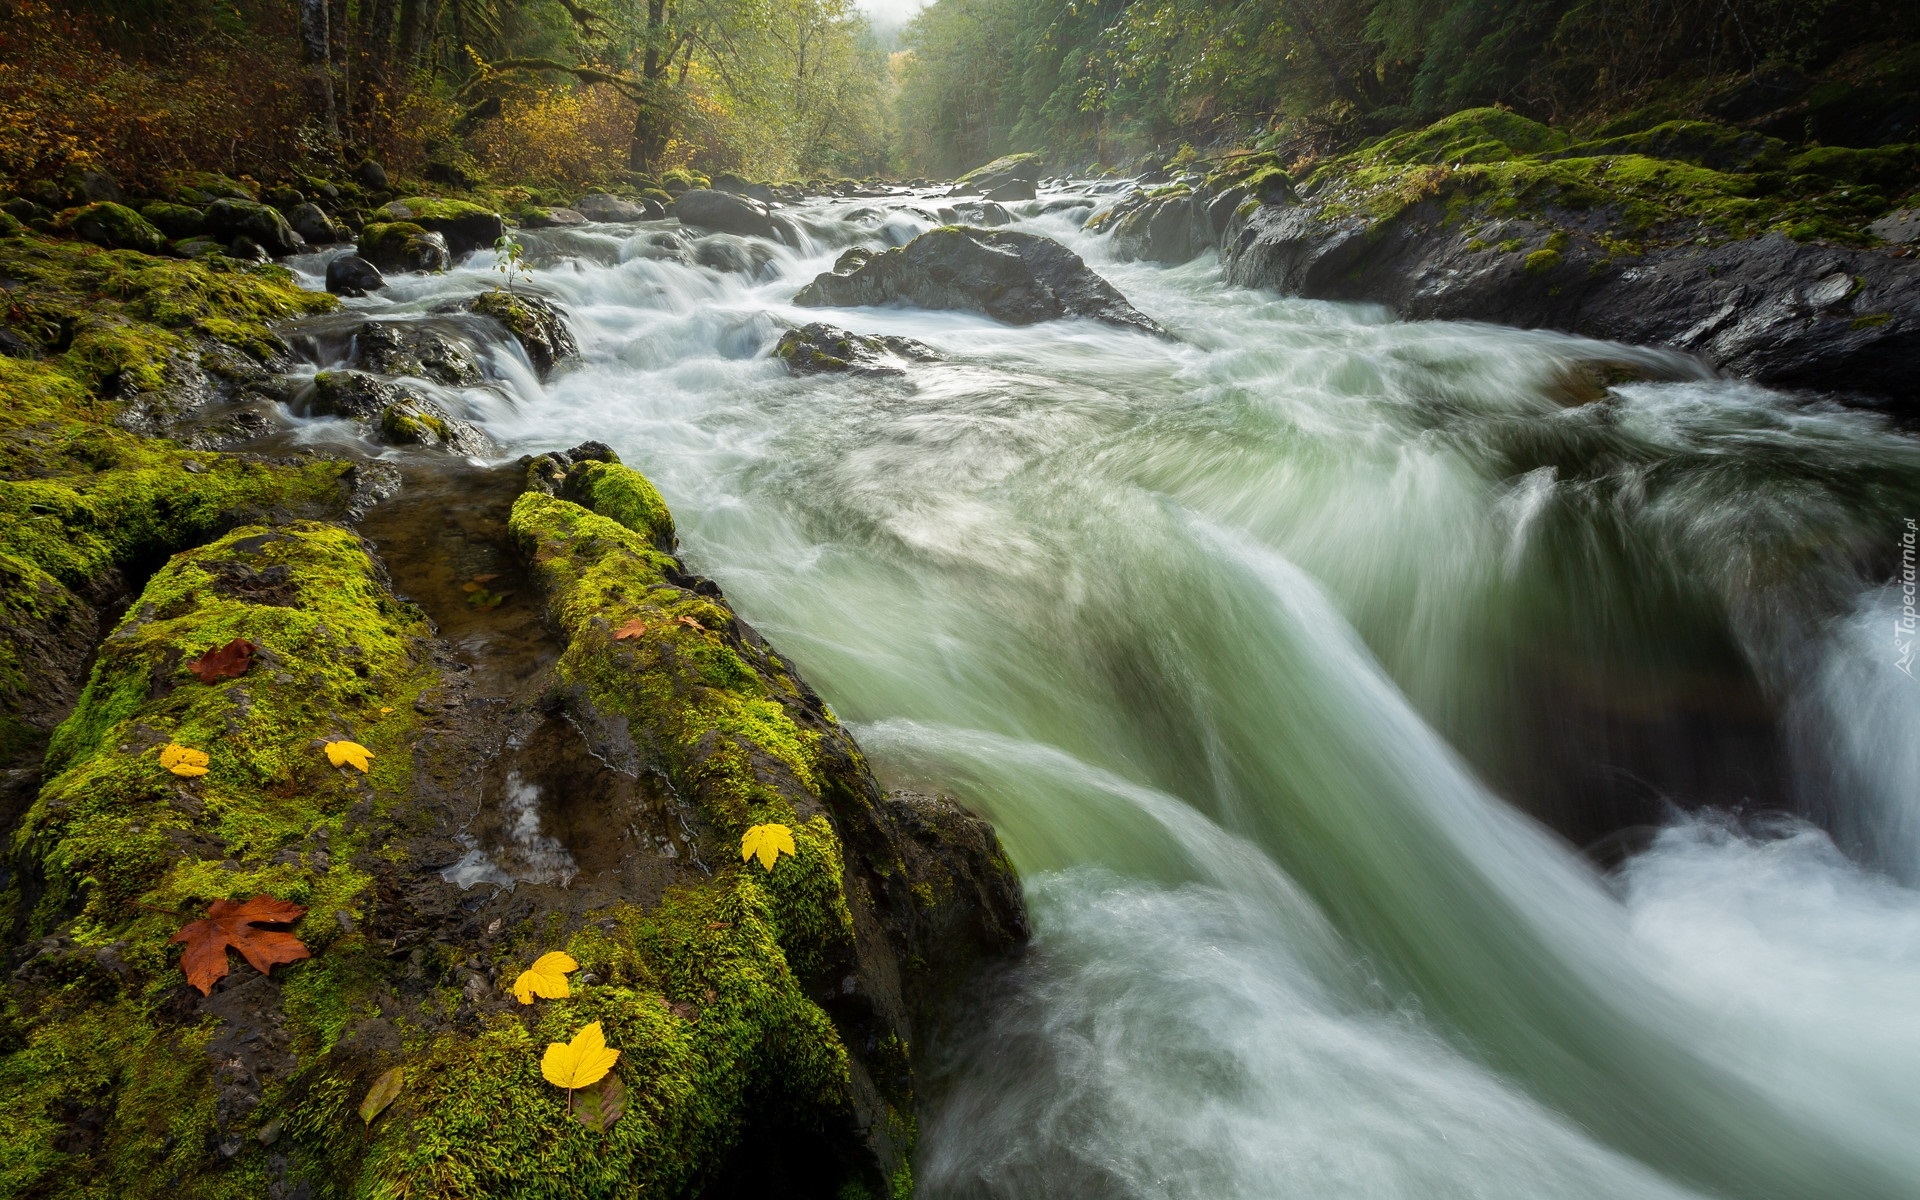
1900	228
417	349
311	223
232	220
116	227
1019	278
175	220
821	348
371	175
403	246
553	218
465	227
1788	314
1013	169
1013	190
351	275
612	210
723	212
535	323
397	414
736	257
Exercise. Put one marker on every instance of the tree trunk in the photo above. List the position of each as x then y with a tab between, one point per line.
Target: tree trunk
652	125
316	59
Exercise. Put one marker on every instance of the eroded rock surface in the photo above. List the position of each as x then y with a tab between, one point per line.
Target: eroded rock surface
1019	278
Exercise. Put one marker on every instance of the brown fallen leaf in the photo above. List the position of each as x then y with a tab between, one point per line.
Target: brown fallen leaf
690	623
485	578
632	629
224	662
598	1107
708	995
719	925
236	924
684	1010
383	1092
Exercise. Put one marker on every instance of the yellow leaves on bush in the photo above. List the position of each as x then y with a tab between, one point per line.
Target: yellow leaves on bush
558	135
767	843
547	978
383	1092
343	754
580	1063
183	760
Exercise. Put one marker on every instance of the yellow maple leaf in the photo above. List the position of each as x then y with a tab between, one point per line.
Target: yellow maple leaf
767	843
580	1063
547	978
183	760
342	754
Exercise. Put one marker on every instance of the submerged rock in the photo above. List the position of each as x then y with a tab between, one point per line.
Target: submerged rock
351	275
397	414
819	347
414	348
535	323
1019	278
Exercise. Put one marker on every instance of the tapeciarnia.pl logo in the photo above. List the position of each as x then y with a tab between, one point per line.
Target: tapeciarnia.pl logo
1904	624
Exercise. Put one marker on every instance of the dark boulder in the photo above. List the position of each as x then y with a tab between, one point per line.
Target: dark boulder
175	220
245	249
1019	278
198	247
116	227
414	348
98	187
351	275
535	323
736	257
393	413
820	348
371	175
1013	190
231	220
723	212
403	246
465	227
725	182
553	218
315	226
980	212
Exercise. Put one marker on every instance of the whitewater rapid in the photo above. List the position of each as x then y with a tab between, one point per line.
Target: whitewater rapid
1254	645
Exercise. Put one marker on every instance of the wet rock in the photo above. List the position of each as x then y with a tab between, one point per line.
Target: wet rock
397	414
725	182
751	258
116	227
403	246
980	212
1001	172
246	249
820	348
198	247
1785	313
535	323
1019	278
351	275
723	212
463	226
605	209
1901	228
414	348
311	223
1013	190
553	218
236	219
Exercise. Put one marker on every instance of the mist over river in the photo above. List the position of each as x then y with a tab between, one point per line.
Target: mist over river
1434	772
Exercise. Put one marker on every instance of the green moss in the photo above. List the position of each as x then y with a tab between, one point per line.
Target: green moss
114	226
1872	320
999	165
627	497
1471	136
426	209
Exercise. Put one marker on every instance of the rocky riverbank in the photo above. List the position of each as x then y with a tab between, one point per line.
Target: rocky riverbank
1793	266
767	1019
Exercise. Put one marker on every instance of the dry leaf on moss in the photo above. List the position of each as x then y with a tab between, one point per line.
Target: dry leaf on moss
183	760
767	843
599	1107
342	754
383	1092
580	1063
224	662
632	629
235	923
547	978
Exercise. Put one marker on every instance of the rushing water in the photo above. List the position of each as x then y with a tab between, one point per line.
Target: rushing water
1256	646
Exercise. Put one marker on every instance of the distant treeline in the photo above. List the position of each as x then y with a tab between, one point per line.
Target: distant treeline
1100	80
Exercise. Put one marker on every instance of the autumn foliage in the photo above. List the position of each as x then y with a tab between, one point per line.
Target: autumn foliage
238	924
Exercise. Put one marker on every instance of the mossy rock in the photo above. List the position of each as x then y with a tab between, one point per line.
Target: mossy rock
1702	143
201	188
1473	135
175	220
116	227
465	226
403	246
1025	166
536	323
1890	168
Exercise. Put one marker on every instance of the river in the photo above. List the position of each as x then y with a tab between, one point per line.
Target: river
1426	784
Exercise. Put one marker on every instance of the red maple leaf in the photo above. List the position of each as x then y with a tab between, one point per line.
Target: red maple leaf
224	662
233	923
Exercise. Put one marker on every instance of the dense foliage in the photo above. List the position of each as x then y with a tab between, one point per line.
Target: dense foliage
530	91
1102	79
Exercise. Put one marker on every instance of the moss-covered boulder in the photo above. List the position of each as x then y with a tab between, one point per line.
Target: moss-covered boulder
175	220
465	226
393	412
765	1018
534	322
1013	168
116	227
231	220
398	246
